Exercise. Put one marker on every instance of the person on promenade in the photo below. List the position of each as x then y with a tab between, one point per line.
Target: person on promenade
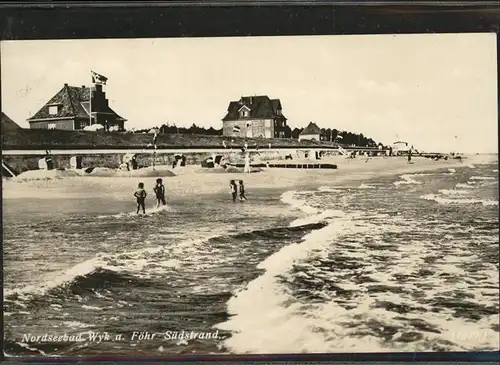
242	191
141	194
247	168
159	190
409	156
233	189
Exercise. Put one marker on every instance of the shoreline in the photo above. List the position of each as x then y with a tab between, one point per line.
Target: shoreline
193	180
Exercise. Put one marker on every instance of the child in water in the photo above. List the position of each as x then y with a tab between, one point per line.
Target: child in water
141	194
242	191
233	188
159	190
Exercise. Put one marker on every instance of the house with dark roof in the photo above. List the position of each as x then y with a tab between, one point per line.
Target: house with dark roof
70	109
8	124
255	116
312	132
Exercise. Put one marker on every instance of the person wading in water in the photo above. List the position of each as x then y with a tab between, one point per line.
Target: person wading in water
141	194
242	191
159	190
233	188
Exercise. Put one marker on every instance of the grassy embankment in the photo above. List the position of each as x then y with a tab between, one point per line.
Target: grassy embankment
26	139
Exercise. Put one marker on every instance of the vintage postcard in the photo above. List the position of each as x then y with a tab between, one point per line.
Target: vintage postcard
243	195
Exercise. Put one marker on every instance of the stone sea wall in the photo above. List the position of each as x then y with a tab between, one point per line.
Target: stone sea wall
25	162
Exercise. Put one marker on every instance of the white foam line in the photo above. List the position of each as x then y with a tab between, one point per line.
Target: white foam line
446	201
481	178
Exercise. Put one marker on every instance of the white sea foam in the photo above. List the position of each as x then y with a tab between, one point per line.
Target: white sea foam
471	166
465	186
453	192
329	189
263	305
407	180
133	261
149	212
290	197
91	307
452	171
448	201
267	318
481	178
366	186
495	170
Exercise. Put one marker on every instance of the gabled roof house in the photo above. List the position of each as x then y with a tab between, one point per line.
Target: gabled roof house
8	124
255	116
69	109
311	132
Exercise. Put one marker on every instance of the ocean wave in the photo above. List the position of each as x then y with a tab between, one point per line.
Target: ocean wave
263	304
313	214
471	166
448	201
290	198
104	268
452	171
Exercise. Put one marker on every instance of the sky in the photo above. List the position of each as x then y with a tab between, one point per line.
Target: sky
436	91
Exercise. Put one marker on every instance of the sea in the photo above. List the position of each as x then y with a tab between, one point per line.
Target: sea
395	263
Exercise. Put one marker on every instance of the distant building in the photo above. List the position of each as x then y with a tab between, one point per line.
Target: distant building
8	124
312	132
254	116
69	109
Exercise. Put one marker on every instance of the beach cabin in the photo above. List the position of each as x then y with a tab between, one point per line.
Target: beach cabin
400	148
312	132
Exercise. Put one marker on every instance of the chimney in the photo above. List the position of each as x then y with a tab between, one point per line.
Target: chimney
83	86
65	84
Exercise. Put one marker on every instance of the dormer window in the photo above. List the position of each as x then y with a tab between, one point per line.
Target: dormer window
244	111
53	109
278	112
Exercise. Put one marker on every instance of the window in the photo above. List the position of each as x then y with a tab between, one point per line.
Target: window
53	109
51	126
278	112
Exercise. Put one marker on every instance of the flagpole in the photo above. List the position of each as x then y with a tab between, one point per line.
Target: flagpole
90	99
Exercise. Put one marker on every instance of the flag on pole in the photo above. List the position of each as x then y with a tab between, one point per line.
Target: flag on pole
236	129
98	79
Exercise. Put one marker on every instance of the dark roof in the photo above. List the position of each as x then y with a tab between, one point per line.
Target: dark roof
8	124
312	128
260	107
74	103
